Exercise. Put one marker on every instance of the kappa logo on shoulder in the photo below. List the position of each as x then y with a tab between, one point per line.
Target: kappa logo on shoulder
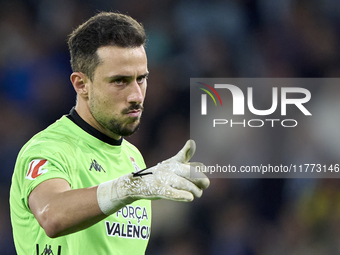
96	166
35	169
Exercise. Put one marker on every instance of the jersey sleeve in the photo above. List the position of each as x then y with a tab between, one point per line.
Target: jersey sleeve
42	162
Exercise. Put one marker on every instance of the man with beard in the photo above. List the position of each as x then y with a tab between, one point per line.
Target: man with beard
78	186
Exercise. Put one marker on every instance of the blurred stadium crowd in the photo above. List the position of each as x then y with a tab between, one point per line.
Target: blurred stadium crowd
189	38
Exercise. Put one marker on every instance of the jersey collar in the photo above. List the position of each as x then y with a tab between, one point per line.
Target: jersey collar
74	116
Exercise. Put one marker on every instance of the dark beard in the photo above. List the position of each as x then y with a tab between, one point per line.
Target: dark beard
117	128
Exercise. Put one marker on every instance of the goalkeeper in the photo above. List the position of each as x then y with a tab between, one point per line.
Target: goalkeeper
78	187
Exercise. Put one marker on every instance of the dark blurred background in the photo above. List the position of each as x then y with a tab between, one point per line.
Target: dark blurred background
188	38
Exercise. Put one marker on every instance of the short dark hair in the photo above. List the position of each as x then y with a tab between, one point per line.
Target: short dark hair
103	29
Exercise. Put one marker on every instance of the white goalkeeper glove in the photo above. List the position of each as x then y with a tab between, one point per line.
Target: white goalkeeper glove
170	179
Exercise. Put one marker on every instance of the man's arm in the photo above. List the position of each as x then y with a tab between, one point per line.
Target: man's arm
61	211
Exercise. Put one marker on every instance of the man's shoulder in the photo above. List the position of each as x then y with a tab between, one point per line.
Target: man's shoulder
126	145
60	134
62	128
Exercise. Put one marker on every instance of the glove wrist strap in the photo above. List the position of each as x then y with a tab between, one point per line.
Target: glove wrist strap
107	197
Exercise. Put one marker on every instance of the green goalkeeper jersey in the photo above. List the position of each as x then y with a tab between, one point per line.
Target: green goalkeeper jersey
74	151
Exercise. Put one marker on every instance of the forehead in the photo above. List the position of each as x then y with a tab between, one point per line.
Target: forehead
119	60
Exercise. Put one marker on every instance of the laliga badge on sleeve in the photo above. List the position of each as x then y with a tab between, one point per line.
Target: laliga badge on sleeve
35	169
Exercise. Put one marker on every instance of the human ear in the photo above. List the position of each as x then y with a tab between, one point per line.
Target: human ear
79	82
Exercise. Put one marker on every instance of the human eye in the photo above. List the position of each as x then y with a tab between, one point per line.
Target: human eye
141	79
119	81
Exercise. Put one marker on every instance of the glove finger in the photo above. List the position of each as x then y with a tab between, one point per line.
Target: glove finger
178	182
186	153
193	172
174	194
185	184
164	191
197	175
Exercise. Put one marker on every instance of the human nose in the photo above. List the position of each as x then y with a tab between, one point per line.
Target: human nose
136	93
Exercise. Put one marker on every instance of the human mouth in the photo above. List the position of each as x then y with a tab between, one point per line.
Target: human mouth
134	113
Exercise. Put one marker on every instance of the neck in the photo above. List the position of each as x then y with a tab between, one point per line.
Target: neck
84	112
